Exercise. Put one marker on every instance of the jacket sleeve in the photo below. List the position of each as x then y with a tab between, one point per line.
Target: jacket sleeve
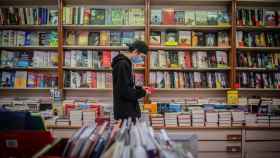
125	89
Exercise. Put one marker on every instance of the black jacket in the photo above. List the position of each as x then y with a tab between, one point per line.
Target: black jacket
125	93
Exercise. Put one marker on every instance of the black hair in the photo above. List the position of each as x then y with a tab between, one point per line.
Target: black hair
141	46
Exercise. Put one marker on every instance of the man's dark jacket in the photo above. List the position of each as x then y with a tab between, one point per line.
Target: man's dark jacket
125	93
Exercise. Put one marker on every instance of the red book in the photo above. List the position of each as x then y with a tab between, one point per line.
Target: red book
168	17
86	15
187	58
108	80
93	79
106	59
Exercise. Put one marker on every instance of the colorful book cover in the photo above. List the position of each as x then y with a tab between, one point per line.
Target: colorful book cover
106	59
139	35
156	16
20	38
160	79
162	59
189	17
76	80
180	17
115	38
239	39
108	80
202	59
154	62
194	39
93	79
197	79
127	38
168	16
223	39
94	38
187	58
222	60
20	79
27	38
173	58
155	38
53	16
31	79
7	79
67	58
136	16
212	17
117	16
210	39
200	38
171	38
270	17
223	17
104	38
87	16
181	59
212	60
7	58
184	38
97	17
83	38
70	38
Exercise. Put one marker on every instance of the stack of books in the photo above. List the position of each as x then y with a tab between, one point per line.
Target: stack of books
75	117
145	116
253	101
263	120
274	121
157	120
198	118
238	118
170	119
89	117
62	122
250	119
275	101
184	120
224	118
211	119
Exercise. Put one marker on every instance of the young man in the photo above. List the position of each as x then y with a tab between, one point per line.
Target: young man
125	92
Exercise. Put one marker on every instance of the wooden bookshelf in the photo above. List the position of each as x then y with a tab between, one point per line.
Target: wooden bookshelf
153	47
95	47
24	48
194	28
104	27
190	69
257	28
28	68
28	27
254	69
258	48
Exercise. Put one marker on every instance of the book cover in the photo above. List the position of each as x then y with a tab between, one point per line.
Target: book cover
7	79
212	60
168	16
223	17
20	38
160	79
7	58
156	16
108	80
212	17
162	59
125	14
93	38
201	59
211	39
185	38
200	39
189	17
27	38
83	38
106	59
154	62
171	38
115	38
96	59
87	16
67	58
139	35
155	38
97	16
108	15
152	78
270	17
104	38
20	79
194	60
201	17
222	60
53	16
117	16
31	79
139	79
173	58
93	79
187	58
197	80
136	16
70	38
76	80
179	17
239	39
127	38
223	39
37	37
194	39
181	59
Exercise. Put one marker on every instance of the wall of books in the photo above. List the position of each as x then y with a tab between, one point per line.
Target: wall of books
194	47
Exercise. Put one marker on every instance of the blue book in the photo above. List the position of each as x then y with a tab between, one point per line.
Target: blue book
27	37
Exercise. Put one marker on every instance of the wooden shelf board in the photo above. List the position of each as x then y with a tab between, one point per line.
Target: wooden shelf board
191	2
153	47
28	47
188	27
97	47
28	68
94	69
192	89
29	27
3	88
258	48
104	2
258	89
88	89
190	69
103	27
254	69
29	2
258	28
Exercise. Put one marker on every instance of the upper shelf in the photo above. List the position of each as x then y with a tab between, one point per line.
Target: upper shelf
252	28
96	47
153	47
104	2
28	27
190	2
28	2
188	27
104	27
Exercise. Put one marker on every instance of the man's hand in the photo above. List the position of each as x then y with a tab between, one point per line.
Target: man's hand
149	90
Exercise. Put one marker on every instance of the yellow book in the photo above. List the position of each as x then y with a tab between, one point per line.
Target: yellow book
104	38
20	79
83	38
152	108
232	97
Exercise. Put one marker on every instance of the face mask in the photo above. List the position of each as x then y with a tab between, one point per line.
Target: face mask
137	59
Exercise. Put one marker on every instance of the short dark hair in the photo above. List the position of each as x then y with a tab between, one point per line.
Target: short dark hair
141	46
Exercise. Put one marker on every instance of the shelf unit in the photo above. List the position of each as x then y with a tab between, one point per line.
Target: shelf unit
231	28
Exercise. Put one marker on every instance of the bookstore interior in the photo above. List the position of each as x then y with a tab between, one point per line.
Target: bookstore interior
213	68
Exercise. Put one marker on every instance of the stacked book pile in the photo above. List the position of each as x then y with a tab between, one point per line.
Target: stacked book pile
184	120
89	117
274	121
253	101
250	119
211	119
238	118
170	119
145	116
75	117
62	122
157	120
263	120
275	101
198	118
224	118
